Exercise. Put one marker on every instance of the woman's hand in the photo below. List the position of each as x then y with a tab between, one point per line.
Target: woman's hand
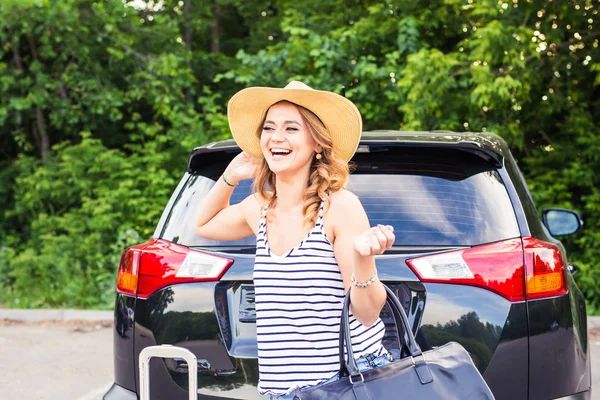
242	167
375	240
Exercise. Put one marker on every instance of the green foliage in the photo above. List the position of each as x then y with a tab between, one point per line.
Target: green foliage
525	70
76	208
96	128
101	102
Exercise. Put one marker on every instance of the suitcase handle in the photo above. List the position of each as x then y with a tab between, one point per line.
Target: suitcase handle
167	351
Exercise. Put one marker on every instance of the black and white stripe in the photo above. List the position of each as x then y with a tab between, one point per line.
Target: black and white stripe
299	298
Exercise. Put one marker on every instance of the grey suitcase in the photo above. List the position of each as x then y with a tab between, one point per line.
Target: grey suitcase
167	351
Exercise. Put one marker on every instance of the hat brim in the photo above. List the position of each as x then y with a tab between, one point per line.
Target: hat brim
247	109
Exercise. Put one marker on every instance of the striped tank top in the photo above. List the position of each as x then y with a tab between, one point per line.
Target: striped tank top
299	299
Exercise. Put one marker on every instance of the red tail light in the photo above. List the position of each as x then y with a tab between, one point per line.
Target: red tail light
546	269
127	276
162	263
499	267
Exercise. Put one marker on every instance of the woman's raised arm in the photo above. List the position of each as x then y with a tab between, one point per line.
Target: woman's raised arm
216	219
355	246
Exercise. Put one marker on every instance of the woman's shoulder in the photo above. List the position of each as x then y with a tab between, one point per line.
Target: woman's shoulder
255	202
252	207
344	207
343	201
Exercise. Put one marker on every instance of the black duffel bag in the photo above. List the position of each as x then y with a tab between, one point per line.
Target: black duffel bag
446	372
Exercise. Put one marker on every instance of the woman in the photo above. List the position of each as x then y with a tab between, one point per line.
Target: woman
313	239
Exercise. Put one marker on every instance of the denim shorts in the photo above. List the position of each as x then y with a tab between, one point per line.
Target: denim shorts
364	363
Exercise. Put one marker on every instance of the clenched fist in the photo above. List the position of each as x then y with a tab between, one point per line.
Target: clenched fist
375	240
242	167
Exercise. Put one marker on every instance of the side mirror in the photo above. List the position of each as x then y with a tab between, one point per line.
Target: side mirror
561	222
573	269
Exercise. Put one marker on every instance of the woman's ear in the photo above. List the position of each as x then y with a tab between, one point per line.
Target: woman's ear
319	148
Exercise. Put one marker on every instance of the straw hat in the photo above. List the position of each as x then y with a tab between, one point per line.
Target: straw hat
247	109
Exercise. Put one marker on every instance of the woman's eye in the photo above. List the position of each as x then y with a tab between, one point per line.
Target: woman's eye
291	128
267	128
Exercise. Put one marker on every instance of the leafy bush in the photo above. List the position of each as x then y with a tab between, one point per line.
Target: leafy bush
81	209
102	102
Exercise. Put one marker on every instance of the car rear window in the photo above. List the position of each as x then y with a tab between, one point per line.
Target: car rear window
432	197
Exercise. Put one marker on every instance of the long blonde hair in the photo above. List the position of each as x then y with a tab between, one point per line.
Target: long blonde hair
329	174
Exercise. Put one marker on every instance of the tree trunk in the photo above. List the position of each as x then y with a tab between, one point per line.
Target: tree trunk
214	44
44	141
17	56
36	137
62	91
187	22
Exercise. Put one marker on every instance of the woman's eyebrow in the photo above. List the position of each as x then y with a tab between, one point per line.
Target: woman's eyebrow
285	122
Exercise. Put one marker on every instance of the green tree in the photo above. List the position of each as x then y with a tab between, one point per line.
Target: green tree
96	128
527	70
101	103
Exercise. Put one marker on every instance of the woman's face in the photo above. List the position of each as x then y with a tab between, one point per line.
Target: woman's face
286	142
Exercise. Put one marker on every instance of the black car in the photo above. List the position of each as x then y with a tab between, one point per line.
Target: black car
472	263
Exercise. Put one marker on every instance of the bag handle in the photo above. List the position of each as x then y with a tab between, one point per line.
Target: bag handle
405	336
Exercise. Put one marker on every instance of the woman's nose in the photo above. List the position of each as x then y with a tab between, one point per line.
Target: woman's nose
278	135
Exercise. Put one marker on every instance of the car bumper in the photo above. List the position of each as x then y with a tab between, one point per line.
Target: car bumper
587	395
117	392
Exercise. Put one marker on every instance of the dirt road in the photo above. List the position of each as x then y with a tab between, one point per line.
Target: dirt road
52	361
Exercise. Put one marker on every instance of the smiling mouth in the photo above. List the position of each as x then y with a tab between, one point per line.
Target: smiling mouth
280	152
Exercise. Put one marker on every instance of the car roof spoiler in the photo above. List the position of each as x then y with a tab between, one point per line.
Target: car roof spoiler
198	157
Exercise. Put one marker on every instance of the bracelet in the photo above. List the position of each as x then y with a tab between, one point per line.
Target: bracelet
363	284
225	180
